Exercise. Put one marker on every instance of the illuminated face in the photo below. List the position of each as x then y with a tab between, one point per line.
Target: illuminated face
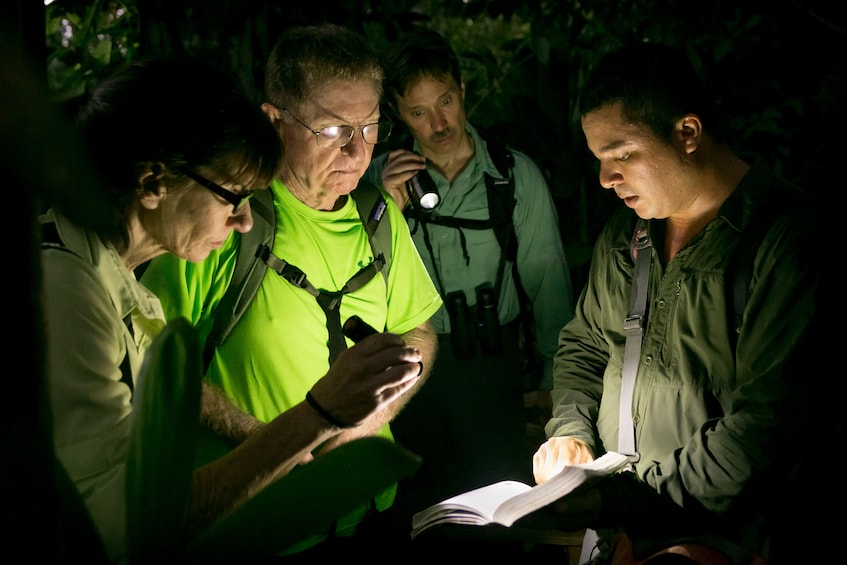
318	175
193	221
434	111
648	173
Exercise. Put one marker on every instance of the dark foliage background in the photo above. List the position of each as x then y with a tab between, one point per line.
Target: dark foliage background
777	68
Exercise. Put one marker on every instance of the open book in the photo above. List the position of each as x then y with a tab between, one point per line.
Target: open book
507	501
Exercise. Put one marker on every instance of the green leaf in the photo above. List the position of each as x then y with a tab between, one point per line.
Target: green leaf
102	52
306	501
164	420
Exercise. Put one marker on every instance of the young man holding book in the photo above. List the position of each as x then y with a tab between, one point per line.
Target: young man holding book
712	413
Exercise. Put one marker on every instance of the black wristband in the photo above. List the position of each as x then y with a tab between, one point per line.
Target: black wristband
325	413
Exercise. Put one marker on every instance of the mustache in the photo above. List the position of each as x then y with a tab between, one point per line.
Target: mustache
439	135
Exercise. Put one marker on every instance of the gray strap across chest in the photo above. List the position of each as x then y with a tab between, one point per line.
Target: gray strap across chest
633	327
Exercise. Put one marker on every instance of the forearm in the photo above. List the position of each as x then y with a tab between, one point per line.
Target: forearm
270	453
426	340
219	414
578	368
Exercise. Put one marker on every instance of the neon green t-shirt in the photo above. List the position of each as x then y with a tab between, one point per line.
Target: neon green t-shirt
278	350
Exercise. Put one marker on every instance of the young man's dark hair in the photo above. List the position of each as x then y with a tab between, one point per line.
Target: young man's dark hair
649	94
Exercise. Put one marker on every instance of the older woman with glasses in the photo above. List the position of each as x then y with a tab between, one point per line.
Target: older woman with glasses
180	150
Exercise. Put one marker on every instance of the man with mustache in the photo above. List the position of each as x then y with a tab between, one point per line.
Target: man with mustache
498	327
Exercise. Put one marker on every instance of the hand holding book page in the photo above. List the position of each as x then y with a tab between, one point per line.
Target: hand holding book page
507	501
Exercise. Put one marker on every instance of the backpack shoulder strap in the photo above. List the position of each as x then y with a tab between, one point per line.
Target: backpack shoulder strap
372	207
501	198
502	156
262	234
248	274
256	244
501	205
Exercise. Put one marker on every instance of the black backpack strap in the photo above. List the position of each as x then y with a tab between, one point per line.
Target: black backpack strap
329	301
501	207
248	274
372	206
501	204
501	198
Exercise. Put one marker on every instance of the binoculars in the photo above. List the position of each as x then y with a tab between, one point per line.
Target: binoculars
469	327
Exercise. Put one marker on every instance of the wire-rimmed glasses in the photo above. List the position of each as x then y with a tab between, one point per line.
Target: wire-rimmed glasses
334	137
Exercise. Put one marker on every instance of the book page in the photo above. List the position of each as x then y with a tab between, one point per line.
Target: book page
562	484
473	507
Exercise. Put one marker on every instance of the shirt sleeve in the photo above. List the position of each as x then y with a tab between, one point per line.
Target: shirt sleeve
583	353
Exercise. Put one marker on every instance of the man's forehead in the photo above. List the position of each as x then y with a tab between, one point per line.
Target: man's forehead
608	125
426	89
338	107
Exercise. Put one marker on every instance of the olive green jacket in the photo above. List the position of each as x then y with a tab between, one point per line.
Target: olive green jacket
712	425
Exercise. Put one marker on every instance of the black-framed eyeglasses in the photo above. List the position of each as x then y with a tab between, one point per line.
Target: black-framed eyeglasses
334	137
237	199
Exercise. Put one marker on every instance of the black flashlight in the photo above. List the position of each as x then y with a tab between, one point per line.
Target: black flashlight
423	191
357	329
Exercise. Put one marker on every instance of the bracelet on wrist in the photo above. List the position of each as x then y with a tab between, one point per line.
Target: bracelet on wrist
326	414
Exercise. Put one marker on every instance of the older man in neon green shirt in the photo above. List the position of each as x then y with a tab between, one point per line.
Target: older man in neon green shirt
329	121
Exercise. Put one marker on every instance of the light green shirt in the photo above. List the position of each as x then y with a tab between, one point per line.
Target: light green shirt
541	257
87	293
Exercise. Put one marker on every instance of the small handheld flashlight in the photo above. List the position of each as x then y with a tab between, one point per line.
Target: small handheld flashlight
423	191
357	329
